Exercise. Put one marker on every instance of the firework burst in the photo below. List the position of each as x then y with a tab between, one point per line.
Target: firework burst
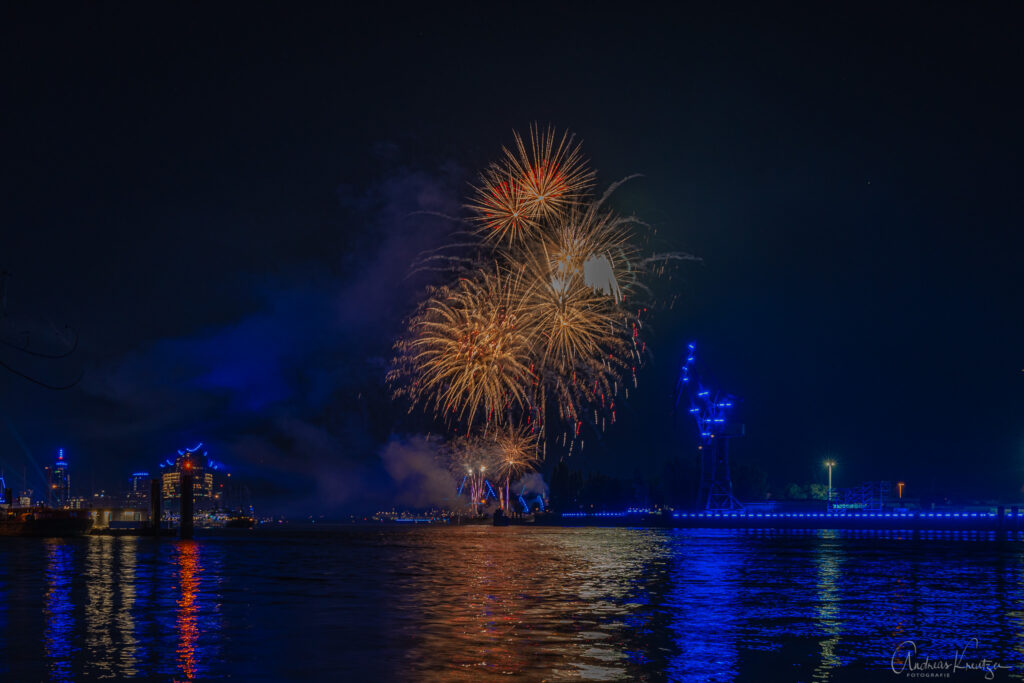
538	182
471	461
551	171
515	451
467	354
501	209
543	322
581	336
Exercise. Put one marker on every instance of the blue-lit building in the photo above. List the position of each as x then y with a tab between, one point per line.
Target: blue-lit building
195	461
60	481
138	489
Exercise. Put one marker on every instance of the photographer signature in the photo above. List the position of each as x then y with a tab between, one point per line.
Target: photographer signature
905	659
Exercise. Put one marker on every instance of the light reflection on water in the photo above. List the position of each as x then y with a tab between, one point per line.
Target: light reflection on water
472	603
188	586
59	611
826	612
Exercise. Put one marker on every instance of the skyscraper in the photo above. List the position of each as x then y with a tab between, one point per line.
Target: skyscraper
60	481
138	489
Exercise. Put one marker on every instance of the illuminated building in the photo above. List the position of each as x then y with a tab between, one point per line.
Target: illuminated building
195	461
60	481
138	489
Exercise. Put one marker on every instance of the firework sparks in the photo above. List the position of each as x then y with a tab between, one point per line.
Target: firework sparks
580	335
542	320
516	454
467	355
501	208
552	172
471	461
538	181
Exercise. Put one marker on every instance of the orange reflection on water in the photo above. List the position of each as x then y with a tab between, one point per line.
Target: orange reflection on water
525	603
188	628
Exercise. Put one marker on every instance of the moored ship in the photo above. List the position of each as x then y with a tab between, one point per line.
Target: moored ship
240	522
44	521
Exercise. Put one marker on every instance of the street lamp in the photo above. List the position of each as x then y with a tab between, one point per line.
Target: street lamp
901	485
829	464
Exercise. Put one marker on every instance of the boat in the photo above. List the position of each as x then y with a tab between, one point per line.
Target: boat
240	522
44	521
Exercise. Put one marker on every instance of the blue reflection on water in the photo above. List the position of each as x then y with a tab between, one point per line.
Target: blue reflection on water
702	607
479	603
60	618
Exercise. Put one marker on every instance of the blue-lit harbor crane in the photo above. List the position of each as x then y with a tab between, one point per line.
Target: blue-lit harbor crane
710	410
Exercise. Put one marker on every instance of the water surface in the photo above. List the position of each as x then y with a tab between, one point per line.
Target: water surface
477	603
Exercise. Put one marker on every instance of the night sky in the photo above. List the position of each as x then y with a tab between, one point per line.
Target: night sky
222	201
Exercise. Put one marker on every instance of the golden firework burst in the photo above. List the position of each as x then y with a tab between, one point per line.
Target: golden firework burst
467	355
551	171
537	182
515	452
543	318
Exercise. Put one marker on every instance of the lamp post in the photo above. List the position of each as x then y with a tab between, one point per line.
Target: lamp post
829	464
901	485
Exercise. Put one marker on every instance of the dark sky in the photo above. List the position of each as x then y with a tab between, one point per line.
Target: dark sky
219	198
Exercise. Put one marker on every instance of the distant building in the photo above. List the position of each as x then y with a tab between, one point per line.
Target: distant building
138	490
60	481
197	462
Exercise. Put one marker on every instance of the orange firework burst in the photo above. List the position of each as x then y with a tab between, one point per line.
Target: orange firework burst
578	337
543	319
500	207
537	183
467	354
594	245
515	451
551	171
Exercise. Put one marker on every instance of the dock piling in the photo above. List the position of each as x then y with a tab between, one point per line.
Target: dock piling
186	526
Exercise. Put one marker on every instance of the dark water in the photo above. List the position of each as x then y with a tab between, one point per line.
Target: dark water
473	603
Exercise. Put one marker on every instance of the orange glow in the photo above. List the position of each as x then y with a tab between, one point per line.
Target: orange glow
188	630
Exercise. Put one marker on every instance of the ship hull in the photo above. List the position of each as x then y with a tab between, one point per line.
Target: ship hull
45	525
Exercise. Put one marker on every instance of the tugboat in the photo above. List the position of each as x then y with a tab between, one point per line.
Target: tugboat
44	521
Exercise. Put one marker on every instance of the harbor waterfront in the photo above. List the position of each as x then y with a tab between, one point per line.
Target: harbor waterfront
1003	519
473	602
373	342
